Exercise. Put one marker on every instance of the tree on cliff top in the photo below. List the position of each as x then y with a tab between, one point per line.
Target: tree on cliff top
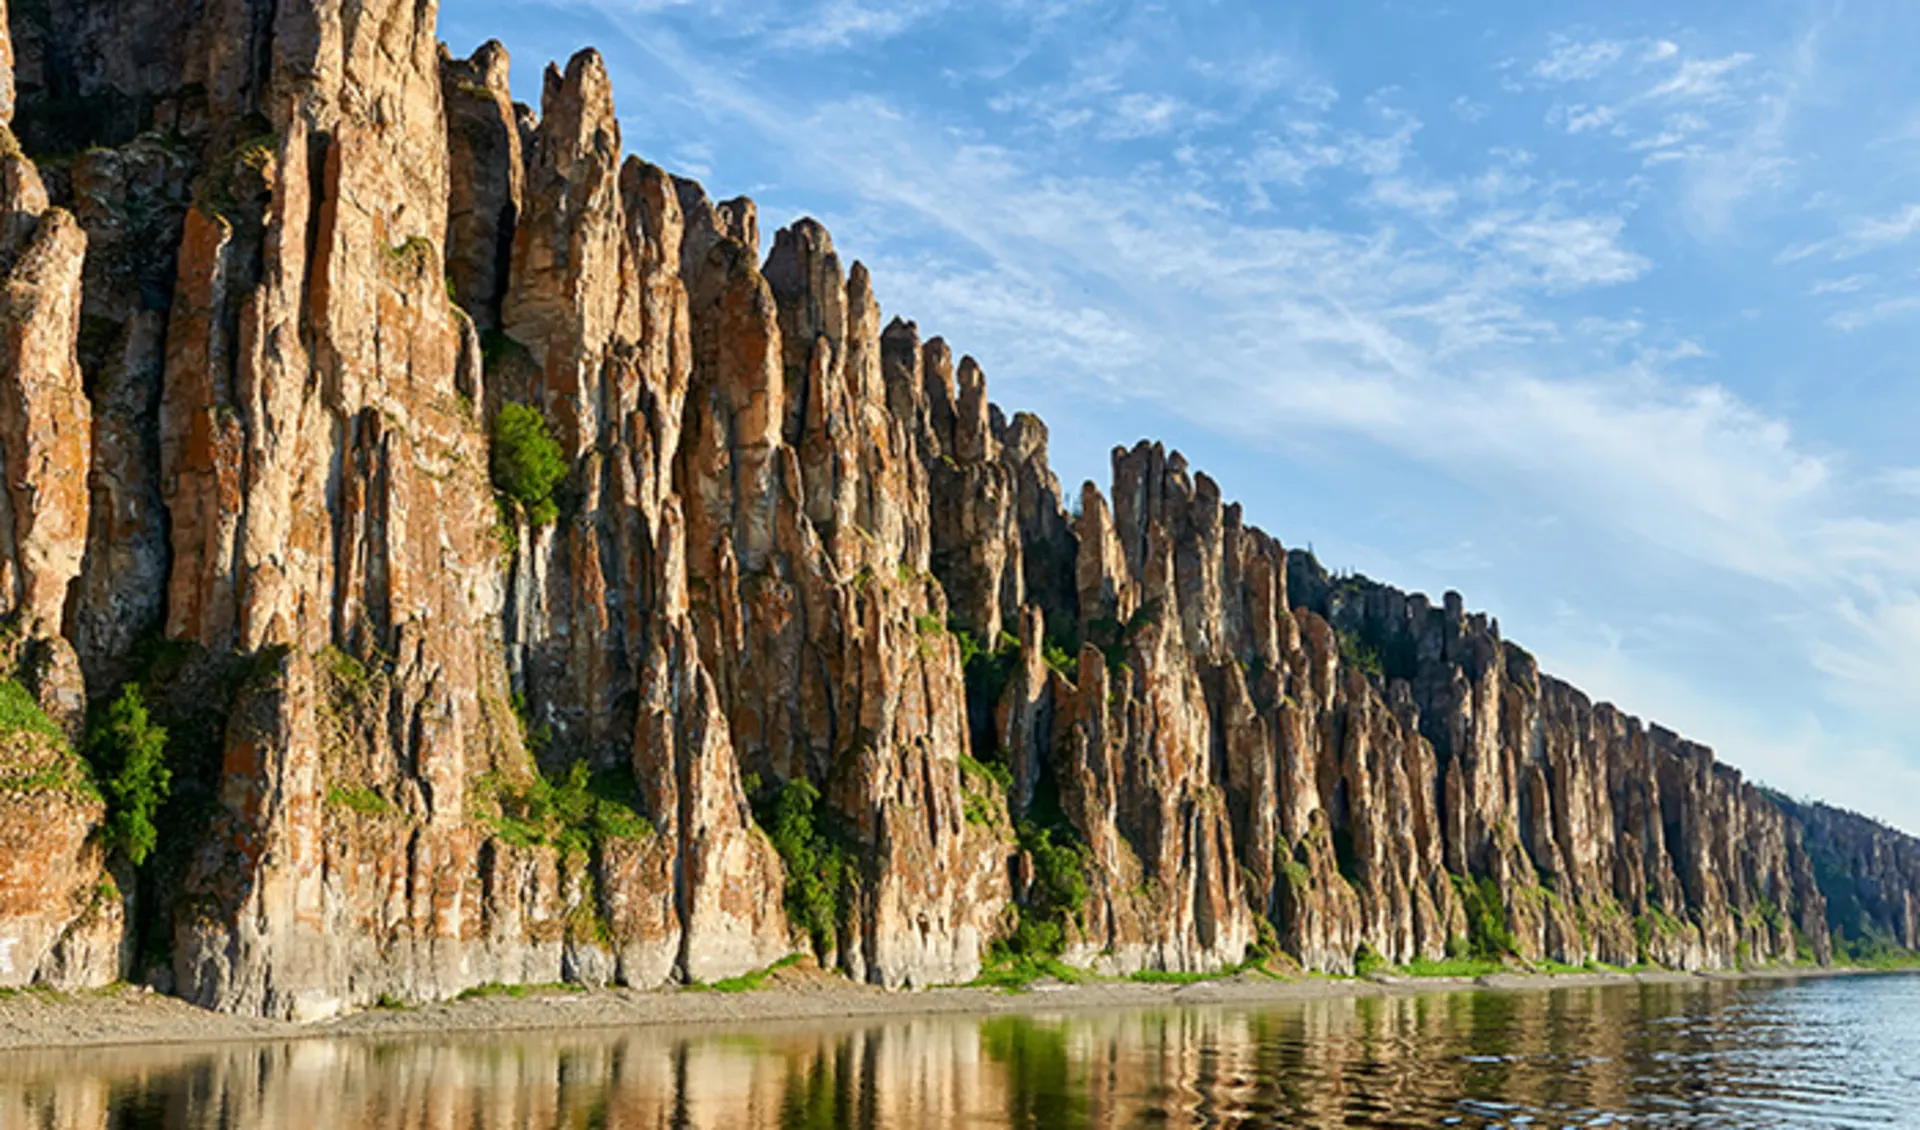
526	461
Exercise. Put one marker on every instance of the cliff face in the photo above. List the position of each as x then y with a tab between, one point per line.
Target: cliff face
1870	873
429	728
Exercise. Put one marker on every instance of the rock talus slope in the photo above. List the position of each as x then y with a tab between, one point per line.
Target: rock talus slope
805	645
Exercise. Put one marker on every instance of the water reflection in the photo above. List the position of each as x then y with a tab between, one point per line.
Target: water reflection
1836	1053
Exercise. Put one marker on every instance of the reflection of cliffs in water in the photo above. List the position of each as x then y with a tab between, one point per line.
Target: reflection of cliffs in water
1561	1057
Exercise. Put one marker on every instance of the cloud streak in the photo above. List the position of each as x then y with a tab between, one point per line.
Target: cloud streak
1283	264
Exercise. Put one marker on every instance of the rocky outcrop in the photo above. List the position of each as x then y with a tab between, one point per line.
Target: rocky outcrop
427	734
62	913
1869	873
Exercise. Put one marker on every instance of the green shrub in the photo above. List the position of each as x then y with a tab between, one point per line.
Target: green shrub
996	775
1055	901
748	982
130	753
358	798
1488	938
493	989
20	712
1366	962
576	812
526	461
819	867
987	672
1356	652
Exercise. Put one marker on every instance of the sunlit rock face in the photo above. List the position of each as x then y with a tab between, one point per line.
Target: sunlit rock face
261	323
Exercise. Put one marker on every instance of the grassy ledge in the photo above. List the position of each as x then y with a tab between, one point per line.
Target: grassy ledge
746	982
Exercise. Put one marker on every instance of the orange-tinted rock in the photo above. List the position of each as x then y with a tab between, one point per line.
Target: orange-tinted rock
45	418
301	263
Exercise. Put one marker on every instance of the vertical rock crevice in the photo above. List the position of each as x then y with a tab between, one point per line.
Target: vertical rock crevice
259	333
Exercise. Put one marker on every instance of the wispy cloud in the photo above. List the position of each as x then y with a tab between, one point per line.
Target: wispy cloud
1885	310
1861	236
1241	238
1573	60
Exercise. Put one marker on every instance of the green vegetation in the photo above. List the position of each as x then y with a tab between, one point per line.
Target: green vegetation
1872	952
1366	962
821	870
980	783
987	672
996	775
130	753
412	257
1114	639
526	462
497	348
19	712
1356	652
1063	662
358	798
493	989
1059	890
243	169
1169	977
351	677
1488	938
1656	922
575	812
536	736
1012	973
1452	967
1055	901
748	982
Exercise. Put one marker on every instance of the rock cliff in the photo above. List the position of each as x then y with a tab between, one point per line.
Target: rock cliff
535	582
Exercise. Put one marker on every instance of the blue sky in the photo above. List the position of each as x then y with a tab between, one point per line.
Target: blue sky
1606	315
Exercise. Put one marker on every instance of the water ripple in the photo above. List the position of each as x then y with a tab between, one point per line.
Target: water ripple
1830	1054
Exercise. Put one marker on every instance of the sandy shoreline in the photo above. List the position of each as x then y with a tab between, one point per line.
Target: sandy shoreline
130	1016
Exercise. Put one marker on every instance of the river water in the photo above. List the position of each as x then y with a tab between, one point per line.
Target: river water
1829	1053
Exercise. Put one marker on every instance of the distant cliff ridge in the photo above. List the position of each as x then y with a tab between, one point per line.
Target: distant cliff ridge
534	583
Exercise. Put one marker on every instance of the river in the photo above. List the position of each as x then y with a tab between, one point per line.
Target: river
1842	1052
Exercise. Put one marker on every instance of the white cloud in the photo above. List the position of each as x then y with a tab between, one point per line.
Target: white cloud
1886	310
1470	111
1561	252
1700	78
1408	196
1579	118
1574	61
1862	236
1447	321
1138	115
1849	285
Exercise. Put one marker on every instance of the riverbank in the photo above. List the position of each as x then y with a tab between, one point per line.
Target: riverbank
126	1015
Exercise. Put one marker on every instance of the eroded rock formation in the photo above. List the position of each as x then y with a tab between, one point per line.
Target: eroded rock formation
425	735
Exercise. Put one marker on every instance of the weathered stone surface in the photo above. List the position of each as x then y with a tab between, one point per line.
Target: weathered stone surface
1607	840
486	181
62	915
304	258
6	69
1869	873
45	418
